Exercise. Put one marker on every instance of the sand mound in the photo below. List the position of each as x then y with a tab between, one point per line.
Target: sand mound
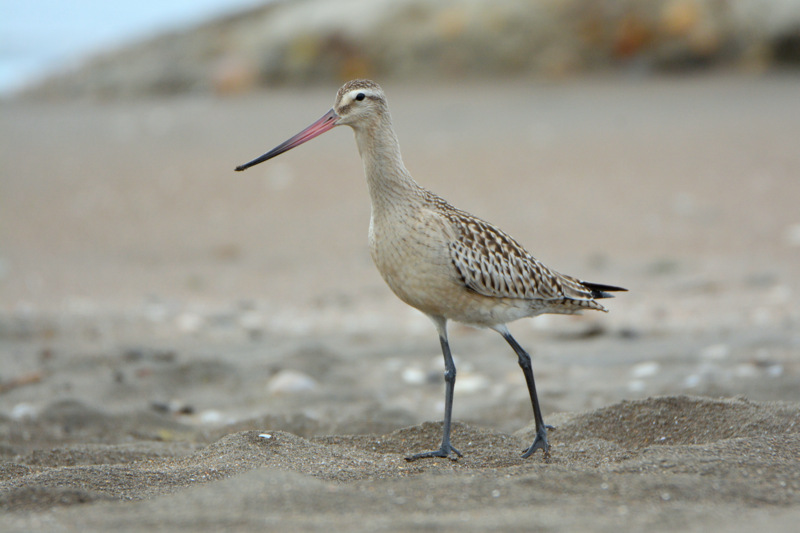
745	452
680	420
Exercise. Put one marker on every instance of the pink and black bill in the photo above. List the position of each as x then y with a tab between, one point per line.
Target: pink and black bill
327	122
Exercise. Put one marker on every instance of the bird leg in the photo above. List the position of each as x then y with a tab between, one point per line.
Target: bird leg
540	442
446	450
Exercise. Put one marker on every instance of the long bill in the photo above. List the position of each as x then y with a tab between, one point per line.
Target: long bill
327	122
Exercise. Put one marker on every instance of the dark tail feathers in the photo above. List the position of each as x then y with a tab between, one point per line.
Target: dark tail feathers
602	291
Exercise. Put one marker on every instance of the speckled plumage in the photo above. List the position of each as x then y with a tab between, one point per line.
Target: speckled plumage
492	263
443	261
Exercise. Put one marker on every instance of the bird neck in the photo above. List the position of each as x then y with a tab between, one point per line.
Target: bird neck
390	184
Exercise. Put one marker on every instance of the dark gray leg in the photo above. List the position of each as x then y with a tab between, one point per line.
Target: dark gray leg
446	450
540	442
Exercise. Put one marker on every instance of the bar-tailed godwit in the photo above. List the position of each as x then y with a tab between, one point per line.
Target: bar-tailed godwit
443	261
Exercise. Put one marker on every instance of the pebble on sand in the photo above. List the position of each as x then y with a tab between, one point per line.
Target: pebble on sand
24	411
645	369
289	381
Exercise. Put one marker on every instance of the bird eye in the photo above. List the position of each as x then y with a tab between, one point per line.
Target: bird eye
360	96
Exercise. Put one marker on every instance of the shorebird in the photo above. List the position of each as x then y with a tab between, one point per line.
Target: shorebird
441	260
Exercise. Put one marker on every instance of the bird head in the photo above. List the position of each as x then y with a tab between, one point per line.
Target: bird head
358	103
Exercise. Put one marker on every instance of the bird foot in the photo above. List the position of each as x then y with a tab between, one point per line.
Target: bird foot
539	443
445	451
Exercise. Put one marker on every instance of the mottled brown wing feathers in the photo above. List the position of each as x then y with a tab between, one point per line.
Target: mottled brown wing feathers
491	263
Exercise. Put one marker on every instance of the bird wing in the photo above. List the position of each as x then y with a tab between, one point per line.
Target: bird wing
492	263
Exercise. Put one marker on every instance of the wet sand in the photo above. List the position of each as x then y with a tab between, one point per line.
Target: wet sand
183	347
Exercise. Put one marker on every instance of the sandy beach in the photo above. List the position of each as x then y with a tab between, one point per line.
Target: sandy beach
185	347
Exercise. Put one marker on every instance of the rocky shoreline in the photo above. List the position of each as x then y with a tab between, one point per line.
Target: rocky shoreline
315	41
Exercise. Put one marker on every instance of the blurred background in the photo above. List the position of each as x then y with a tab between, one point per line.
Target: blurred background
651	144
138	48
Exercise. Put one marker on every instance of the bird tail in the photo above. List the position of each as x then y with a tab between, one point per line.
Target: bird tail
602	291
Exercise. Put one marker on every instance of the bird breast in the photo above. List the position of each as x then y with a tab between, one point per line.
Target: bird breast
410	248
